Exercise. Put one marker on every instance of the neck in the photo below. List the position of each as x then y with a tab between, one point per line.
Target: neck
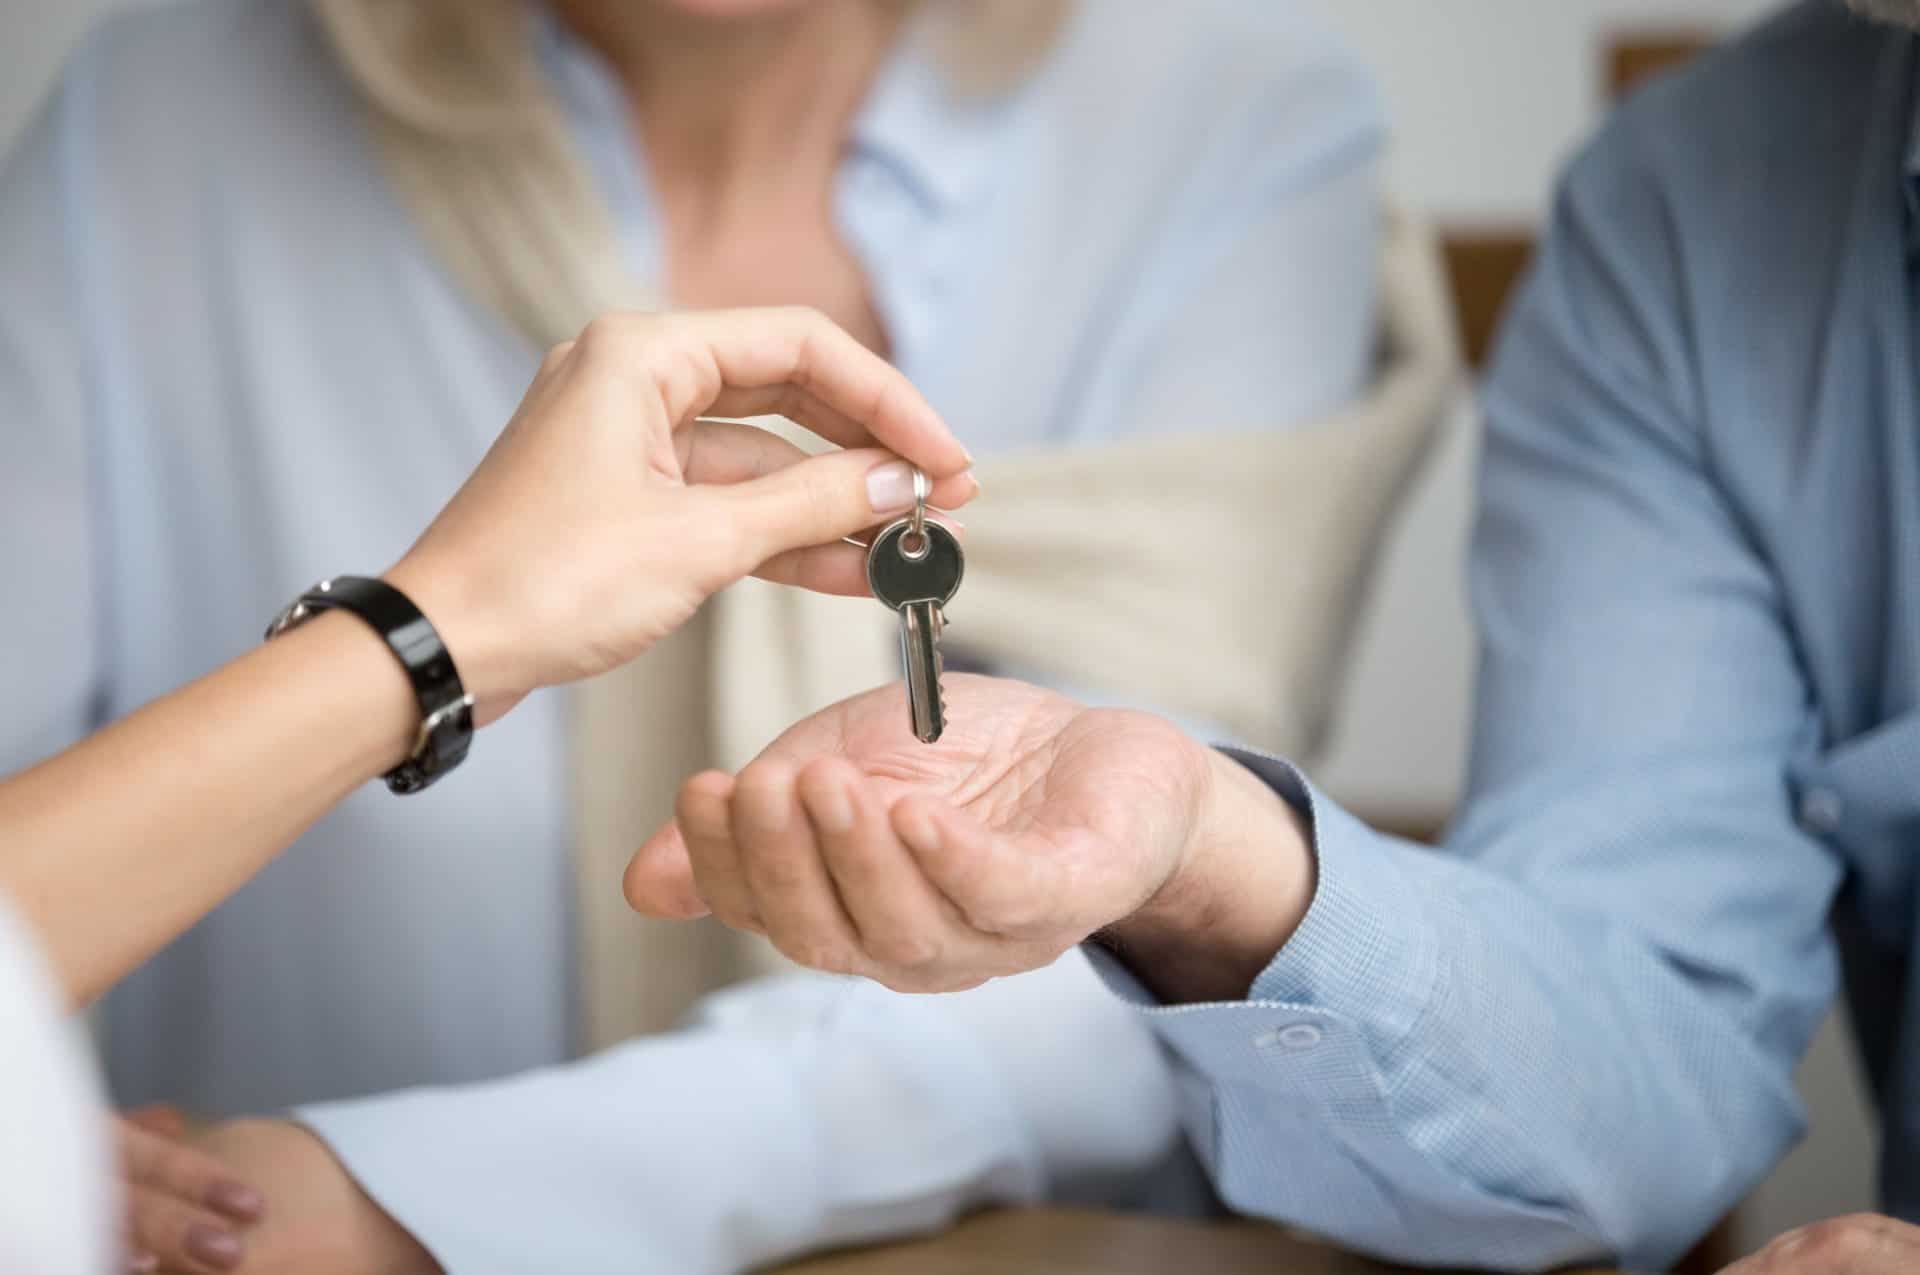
720	96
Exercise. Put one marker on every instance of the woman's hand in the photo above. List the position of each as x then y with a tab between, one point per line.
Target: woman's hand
1033	823
607	511
185	1209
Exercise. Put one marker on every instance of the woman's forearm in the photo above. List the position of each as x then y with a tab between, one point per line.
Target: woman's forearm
118	844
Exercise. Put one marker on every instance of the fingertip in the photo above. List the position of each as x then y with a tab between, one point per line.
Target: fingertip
659	879
765	774
920	823
830	790
827	771
716	782
703	799
236	1200
161	1118
955	490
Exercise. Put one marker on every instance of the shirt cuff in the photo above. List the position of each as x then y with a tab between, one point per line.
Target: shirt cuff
1360	968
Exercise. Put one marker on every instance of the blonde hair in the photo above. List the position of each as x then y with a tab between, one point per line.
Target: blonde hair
463	68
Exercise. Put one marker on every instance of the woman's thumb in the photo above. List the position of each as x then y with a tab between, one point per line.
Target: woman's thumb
823	498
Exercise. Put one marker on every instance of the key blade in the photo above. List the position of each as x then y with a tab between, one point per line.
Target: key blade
920	652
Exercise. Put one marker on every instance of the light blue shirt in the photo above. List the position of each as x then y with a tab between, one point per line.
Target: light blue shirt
1695	790
1570	1034
229	366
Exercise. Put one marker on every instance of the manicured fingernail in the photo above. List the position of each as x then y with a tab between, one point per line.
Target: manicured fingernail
238	1201
143	1263
220	1249
920	831
977	488
831	808
890	487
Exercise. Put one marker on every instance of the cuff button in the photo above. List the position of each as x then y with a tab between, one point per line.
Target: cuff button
1294	1038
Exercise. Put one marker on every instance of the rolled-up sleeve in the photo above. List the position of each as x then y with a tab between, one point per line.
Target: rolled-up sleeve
1570	1033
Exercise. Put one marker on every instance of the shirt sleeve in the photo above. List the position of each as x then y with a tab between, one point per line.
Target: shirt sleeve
1570	1034
49	681
57	1197
792	1114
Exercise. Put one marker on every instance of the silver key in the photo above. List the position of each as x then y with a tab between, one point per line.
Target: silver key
915	567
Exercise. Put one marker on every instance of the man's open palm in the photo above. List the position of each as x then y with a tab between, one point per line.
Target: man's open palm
858	849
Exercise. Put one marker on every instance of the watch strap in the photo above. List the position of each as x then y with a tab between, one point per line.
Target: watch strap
446	710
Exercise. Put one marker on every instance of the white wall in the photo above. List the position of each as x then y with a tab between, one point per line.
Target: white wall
1487	97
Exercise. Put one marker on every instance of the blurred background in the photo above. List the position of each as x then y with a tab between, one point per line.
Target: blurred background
1485	99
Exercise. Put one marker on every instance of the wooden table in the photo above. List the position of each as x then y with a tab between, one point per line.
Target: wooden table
1053	1241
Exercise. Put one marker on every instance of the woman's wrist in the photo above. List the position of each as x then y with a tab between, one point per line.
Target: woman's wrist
376	685
482	649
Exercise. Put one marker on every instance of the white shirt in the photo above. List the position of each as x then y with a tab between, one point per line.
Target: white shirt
55	1186
229	366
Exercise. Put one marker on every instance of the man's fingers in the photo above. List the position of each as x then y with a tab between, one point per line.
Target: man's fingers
160	1163
1000	887
702	814
659	878
182	1237
901	921
780	858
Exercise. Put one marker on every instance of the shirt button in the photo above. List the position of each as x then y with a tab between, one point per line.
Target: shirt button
1821	811
1293	1038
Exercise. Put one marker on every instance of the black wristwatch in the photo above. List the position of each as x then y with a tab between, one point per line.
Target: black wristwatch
446	710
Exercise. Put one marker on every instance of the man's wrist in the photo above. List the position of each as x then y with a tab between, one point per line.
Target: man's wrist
1244	885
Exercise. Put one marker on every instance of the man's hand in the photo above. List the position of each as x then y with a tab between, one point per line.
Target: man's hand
1031	825
1861	1244
186	1211
321	1222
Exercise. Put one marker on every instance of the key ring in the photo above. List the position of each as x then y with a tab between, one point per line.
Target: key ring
914	543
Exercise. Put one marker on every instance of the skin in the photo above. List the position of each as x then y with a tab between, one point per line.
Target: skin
745	183
1032	825
605	513
745	179
1860	1244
